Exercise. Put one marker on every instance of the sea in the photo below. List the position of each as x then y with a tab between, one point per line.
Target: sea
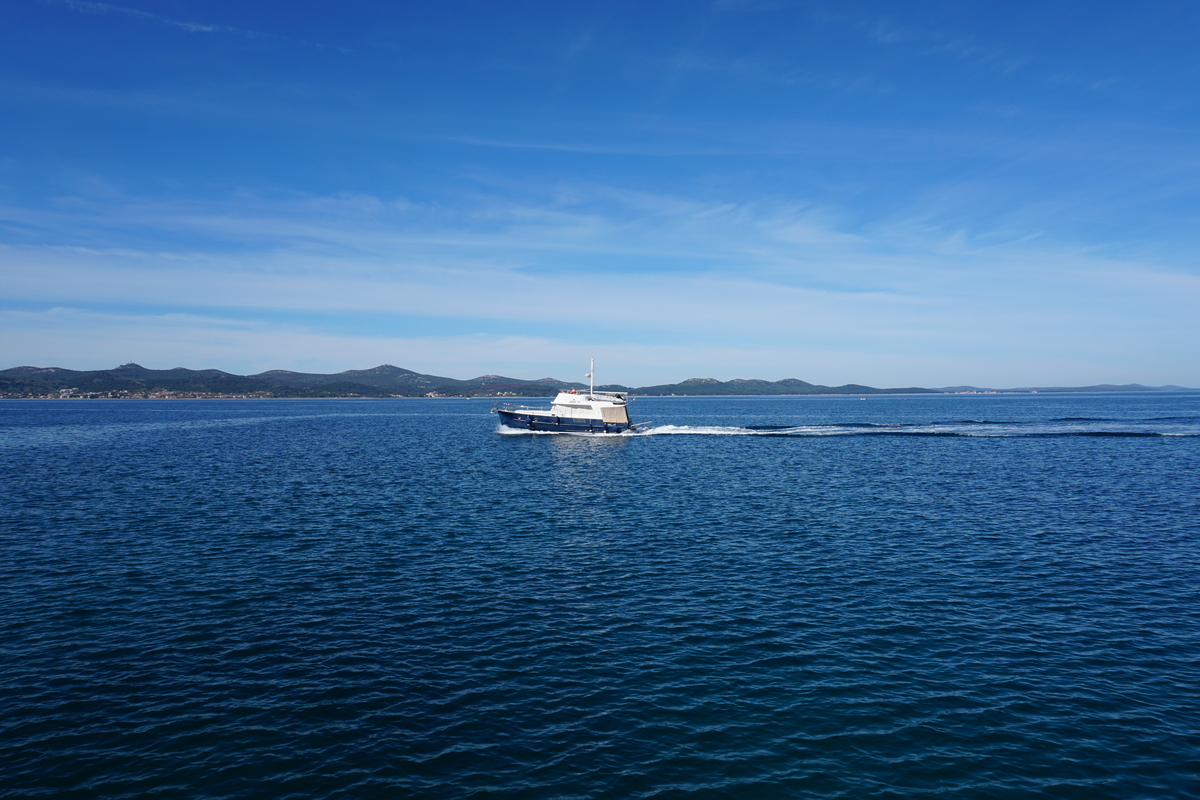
923	596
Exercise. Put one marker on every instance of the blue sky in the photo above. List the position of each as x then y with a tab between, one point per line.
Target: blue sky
928	194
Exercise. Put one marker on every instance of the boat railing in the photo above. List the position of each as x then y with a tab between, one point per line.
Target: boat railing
514	406
611	397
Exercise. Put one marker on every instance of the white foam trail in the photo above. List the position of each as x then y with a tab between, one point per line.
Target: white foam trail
972	431
718	430
708	430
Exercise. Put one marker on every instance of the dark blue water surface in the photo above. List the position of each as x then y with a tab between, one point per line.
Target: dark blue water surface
819	597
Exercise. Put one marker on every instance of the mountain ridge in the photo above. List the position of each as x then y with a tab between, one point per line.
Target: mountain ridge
387	380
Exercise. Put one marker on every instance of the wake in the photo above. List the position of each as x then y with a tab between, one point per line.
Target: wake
972	430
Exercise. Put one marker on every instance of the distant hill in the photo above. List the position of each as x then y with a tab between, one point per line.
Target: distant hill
134	380
127	378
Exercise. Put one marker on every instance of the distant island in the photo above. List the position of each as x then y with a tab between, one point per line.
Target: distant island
133	381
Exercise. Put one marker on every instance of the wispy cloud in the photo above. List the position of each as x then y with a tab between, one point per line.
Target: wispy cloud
929	41
80	339
194	27
781	287
84	339
778	276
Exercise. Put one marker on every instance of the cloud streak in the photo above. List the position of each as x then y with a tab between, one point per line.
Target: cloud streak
888	198
780	278
88	6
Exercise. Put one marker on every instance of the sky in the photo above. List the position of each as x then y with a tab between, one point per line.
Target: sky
896	194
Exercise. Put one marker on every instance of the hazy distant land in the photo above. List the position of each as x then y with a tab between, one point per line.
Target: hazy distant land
134	381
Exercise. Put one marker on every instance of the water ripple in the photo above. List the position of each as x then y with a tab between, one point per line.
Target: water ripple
362	604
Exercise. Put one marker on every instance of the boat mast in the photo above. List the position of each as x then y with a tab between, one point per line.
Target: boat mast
592	380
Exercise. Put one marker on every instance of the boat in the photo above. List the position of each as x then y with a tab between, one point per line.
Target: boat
572	412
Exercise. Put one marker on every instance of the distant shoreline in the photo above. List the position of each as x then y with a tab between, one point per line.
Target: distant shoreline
1006	393
134	382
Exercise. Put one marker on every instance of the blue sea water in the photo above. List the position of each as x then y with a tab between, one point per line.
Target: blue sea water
818	597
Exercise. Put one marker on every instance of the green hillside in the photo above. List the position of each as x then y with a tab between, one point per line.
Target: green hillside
133	380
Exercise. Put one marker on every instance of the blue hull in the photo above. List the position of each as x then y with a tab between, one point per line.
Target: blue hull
526	421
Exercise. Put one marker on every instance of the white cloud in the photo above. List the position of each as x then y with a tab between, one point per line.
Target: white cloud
192	27
752	286
1019	322
81	339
